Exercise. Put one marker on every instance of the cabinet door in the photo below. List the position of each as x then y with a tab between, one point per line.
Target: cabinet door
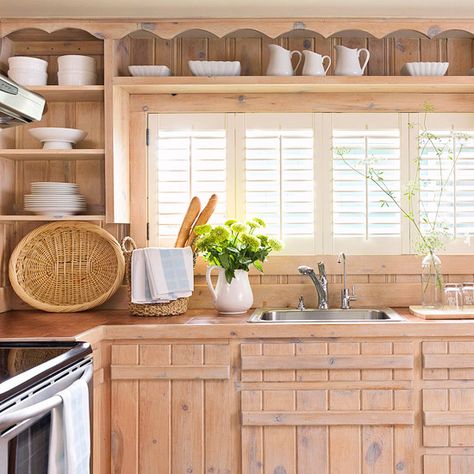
172	408
448	395
327	407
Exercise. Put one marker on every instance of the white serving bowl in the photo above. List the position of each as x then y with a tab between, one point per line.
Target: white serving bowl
149	70
75	62
55	138
425	69
215	68
25	62
28	77
77	78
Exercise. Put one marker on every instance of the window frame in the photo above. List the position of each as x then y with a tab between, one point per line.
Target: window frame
323	124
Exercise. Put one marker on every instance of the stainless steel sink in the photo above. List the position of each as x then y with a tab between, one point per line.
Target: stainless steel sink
324	315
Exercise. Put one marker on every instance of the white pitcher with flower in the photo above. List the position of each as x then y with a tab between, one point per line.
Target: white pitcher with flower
231	249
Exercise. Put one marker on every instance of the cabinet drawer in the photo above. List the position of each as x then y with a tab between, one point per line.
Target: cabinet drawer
319	361
448	360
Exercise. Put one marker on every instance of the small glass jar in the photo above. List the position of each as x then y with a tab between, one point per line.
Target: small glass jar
453	296
468	294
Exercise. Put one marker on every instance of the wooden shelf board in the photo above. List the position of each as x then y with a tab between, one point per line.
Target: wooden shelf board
33	218
70	93
39	154
294	84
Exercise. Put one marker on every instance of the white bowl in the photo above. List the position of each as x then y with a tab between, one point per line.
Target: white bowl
74	62
55	138
77	78
214	68
28	77
425	69
26	62
149	70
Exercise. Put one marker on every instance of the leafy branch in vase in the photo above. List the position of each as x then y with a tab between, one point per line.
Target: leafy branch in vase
445	151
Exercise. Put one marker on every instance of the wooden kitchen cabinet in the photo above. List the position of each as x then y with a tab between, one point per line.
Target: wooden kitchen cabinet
318	407
173	409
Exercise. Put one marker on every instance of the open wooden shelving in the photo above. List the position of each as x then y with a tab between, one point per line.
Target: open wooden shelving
38	218
296	84
40	154
70	93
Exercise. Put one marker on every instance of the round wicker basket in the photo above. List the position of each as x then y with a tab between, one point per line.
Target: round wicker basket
66	266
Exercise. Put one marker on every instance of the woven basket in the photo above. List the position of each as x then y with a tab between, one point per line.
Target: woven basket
66	267
172	308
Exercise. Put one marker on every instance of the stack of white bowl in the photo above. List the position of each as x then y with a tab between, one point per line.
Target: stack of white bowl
54	199
77	70
28	71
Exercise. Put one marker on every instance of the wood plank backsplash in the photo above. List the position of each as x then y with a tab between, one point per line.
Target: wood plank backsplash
378	280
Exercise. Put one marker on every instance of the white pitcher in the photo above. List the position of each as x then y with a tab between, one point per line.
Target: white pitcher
280	61
348	62
230	298
314	64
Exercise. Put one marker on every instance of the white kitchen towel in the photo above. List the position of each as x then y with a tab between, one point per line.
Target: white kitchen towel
139	279
70	441
169	272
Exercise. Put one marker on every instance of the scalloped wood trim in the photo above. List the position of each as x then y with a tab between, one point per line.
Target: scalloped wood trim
272	28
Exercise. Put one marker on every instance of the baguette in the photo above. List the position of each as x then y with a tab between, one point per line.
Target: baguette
191	215
205	215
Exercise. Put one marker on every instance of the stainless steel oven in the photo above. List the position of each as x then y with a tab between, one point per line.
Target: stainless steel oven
31	375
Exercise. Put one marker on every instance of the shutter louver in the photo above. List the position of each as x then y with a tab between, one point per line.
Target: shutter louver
357	201
279	181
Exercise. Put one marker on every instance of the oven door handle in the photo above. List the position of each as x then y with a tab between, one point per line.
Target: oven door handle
10	419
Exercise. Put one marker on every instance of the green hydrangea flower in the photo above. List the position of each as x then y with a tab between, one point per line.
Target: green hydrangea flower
275	244
204	243
259	222
229	222
203	229
220	233
250	241
238	227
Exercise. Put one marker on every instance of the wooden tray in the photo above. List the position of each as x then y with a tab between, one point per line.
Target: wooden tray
426	313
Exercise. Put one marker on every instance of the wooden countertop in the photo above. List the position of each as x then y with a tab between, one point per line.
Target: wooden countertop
109	324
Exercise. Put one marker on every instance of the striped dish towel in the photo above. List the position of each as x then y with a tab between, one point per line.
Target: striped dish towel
160	275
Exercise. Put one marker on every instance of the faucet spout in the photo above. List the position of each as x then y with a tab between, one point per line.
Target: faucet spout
320	282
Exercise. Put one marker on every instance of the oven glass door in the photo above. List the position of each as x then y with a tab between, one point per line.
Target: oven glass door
28	448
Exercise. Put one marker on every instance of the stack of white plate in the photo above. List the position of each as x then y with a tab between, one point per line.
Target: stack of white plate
28	71
54	199
77	70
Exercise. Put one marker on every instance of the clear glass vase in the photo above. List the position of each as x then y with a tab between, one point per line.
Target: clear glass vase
432	285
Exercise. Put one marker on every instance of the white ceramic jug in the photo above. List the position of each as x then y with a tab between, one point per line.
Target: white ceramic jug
314	64
280	61
230	298
348	62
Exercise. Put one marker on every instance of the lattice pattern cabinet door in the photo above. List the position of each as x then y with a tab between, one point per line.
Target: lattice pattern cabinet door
327	407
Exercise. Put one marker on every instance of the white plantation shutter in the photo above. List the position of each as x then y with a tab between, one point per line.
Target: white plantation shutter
189	159
364	218
278	175
455	141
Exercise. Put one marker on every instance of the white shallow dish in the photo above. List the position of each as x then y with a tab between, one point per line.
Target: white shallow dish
75	62
77	78
425	69
55	138
28	77
215	68
54	186
149	71
26	62
52	212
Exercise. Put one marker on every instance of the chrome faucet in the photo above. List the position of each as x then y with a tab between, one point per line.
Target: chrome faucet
320	283
346	297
